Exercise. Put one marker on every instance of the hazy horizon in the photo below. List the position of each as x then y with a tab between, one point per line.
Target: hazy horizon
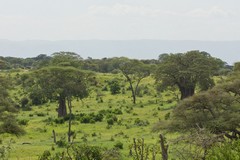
228	51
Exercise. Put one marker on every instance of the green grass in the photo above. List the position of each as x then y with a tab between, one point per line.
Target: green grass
149	108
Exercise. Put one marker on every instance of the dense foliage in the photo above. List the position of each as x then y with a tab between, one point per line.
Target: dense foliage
187	71
217	109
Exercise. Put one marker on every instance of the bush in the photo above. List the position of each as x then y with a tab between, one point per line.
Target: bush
24	102
37	97
46	155
67	117
167	116
117	111
112	154
89	152
62	142
40	114
224	151
10	126
5	151
113	117
119	145
23	122
114	86
59	120
85	119
110	121
83	152
99	117
140	122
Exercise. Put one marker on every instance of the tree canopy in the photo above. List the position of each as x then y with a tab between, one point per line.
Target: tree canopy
61	79
187	70
60	83
134	71
66	59
217	110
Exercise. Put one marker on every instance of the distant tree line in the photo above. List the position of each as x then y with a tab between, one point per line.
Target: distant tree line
104	65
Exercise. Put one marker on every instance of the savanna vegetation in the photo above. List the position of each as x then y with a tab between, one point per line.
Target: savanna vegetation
63	107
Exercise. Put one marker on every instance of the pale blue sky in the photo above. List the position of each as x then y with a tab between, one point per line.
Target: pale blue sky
120	19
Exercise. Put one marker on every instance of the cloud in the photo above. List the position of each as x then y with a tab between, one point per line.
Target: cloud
123	10
126	10
215	11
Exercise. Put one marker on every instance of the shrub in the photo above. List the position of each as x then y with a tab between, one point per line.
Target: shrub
59	121
46	155
117	111
23	122
85	119
114	86
24	102
89	152
140	122
110	121
5	151
67	117
167	116
105	88
40	114
83	152
224	151
94	134
99	117
119	145
112	116
62	142
10	126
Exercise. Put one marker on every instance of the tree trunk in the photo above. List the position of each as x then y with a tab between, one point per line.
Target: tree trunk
134	98
70	121
164	148
62	109
54	136
133	92
186	92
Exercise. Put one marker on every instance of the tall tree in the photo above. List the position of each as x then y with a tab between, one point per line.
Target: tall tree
66	59
187	70
62	83
134	71
217	110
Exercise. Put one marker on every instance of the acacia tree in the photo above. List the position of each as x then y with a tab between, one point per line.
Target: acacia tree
62	83
66	59
61	80
216	110
187	70
134	71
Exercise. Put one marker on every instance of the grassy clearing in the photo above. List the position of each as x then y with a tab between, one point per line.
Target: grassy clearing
134	121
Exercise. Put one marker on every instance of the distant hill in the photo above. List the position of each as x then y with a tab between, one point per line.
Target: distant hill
228	51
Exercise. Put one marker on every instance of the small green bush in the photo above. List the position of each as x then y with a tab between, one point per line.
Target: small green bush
45	156
62	142
23	122
59	120
11	126
119	145
167	116
140	122
110	121
40	114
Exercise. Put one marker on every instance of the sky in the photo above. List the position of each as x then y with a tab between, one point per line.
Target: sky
208	20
